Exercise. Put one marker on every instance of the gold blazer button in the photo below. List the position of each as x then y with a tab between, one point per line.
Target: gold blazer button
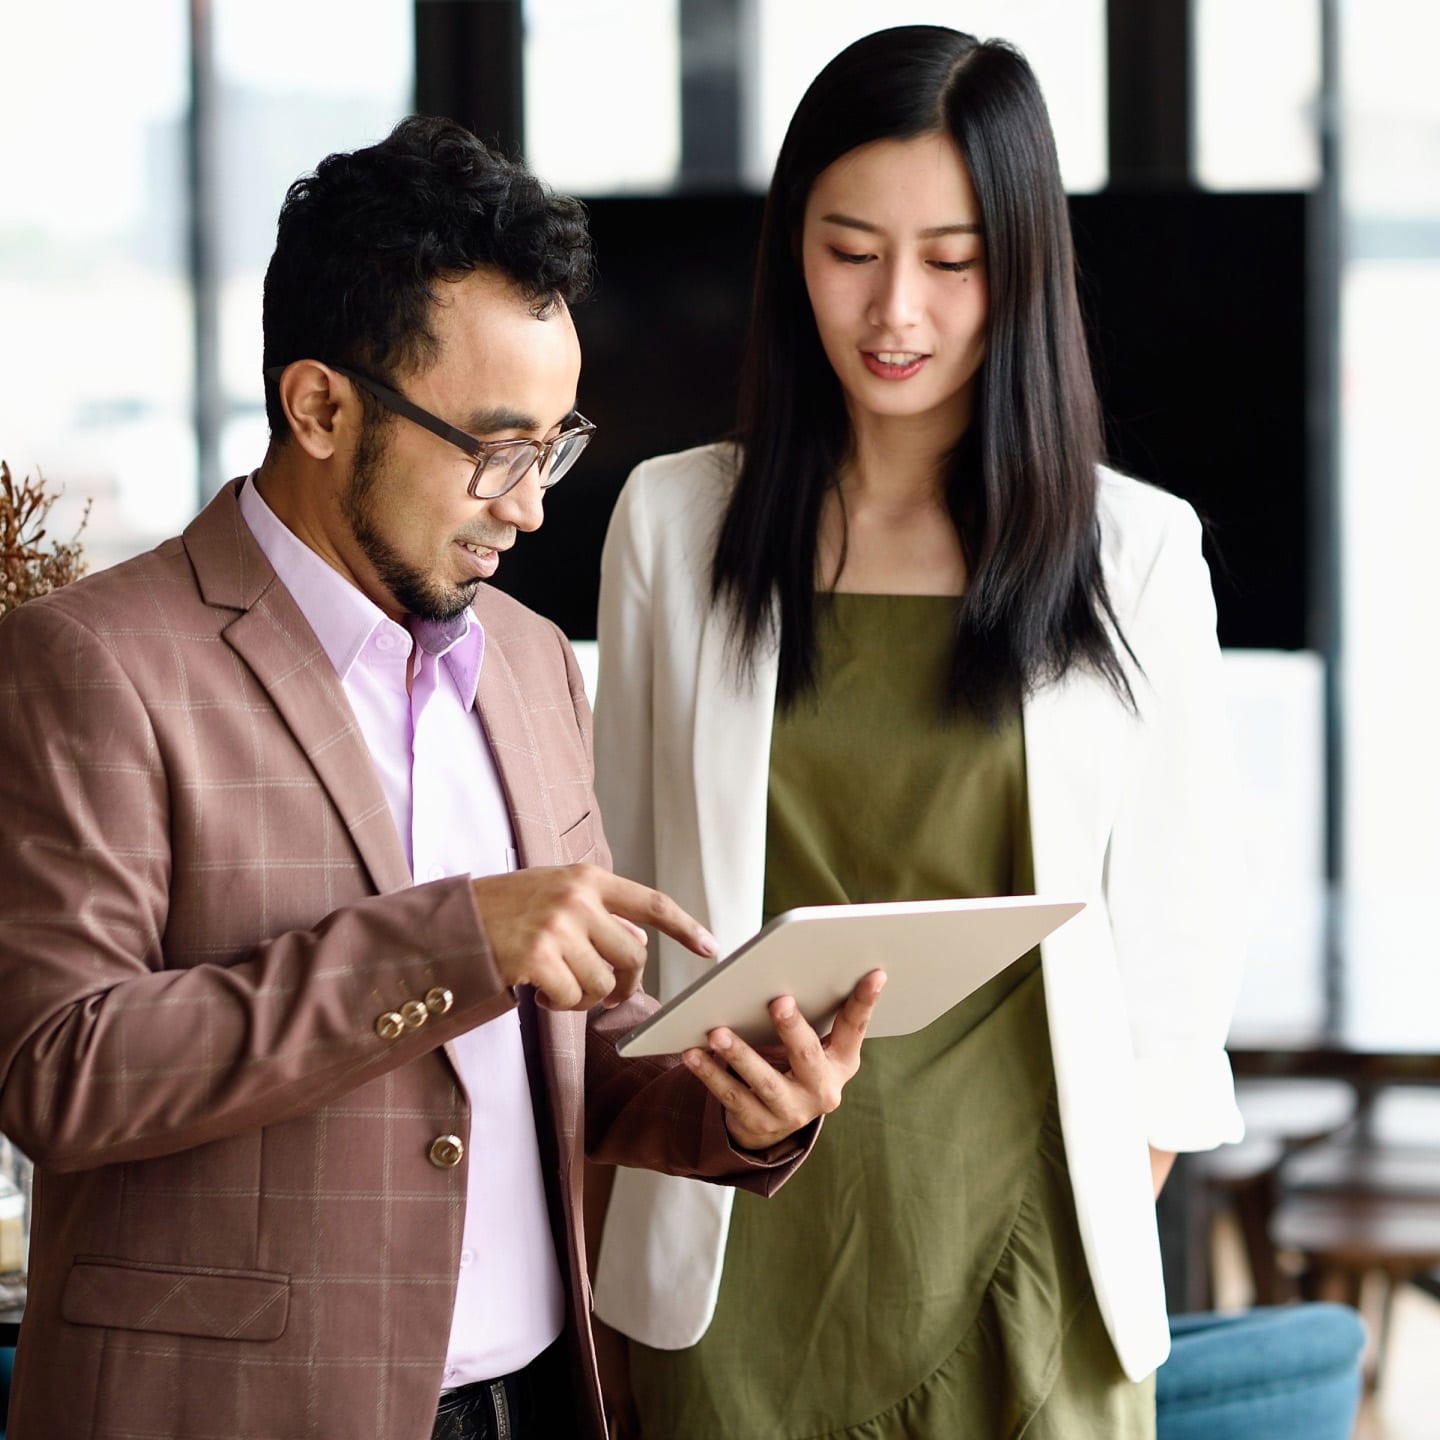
447	1151
439	1000
390	1026
414	1013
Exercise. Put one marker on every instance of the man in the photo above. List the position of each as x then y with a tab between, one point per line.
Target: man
311	961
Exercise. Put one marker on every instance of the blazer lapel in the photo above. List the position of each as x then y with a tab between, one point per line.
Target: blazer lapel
1074	731
272	637
506	720
505	717
734	719
1076	736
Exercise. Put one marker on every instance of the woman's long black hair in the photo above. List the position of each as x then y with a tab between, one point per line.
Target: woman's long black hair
1021	484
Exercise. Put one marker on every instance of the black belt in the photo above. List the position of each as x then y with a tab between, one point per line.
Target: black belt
511	1407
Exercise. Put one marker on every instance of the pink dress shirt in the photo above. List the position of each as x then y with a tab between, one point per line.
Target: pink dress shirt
439	776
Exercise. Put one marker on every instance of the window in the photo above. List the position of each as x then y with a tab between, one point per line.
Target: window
283	105
1389	498
1064	41
1257	89
96	344
602	94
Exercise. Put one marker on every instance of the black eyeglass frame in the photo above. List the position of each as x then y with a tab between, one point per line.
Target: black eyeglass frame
480	451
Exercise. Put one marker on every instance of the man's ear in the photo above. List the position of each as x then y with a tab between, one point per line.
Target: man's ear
320	406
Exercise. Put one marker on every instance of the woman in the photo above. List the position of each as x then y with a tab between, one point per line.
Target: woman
910	639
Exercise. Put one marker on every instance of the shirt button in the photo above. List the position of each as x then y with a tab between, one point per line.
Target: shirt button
467	1258
414	1013
446	1151
439	1000
384	640
390	1025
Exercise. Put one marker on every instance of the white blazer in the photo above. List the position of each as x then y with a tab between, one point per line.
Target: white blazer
1131	814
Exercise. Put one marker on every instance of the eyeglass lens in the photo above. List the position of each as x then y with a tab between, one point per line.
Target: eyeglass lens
502	470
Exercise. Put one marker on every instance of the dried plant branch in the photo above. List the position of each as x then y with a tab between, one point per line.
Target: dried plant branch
28	565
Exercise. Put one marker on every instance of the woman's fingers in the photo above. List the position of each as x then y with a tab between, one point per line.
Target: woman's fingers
764	1104
848	1031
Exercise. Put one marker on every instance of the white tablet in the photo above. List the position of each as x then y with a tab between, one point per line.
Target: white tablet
935	953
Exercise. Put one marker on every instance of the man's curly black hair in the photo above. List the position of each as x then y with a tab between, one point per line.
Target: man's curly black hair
363	240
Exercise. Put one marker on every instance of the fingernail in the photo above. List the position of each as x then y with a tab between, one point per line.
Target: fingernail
785	1009
692	1059
721	1039
709	943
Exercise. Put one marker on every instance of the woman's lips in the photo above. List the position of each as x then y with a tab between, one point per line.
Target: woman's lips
893	364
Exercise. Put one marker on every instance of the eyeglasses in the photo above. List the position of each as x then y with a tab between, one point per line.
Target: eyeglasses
500	465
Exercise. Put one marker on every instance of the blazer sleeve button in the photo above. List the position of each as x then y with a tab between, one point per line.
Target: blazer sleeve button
390	1026
414	1014
439	1000
447	1151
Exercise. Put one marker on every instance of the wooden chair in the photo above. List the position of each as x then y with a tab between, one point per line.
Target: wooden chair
1282	1118
1366	1204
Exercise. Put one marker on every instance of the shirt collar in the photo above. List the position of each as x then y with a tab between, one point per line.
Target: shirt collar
343	617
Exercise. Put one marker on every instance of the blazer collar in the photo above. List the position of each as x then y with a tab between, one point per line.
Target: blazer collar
271	635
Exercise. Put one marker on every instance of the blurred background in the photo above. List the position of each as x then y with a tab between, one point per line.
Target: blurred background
1256	197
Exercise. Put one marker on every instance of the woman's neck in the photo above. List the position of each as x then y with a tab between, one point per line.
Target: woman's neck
886	528
896	461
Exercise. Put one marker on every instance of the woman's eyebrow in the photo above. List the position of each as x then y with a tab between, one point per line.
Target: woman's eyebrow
964	227
931	232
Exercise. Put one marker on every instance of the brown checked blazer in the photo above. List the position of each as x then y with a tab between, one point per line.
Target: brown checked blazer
243	1224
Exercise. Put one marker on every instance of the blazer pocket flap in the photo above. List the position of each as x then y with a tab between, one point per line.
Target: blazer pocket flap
169	1299
578	842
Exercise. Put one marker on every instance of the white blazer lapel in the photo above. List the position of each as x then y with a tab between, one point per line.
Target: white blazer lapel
734	719
664	1248
1076	736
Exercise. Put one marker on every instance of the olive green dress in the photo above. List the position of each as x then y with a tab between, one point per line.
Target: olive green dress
922	1273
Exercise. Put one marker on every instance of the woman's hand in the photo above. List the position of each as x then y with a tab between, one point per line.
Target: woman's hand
764	1104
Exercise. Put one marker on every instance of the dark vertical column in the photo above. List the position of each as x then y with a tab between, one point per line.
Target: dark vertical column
710	46
1150	85
1323	617
469	66
201	147
1150	129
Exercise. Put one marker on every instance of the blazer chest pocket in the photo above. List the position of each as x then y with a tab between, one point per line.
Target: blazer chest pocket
176	1300
578	842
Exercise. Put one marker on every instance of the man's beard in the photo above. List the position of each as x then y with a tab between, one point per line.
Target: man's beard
414	590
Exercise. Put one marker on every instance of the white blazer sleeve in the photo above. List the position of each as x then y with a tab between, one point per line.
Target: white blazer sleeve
1173	889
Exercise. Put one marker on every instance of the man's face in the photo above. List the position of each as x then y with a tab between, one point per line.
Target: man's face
412	537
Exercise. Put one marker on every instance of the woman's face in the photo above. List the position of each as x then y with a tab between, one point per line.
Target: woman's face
894	262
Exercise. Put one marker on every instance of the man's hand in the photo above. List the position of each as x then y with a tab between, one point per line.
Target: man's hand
573	932
764	1105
